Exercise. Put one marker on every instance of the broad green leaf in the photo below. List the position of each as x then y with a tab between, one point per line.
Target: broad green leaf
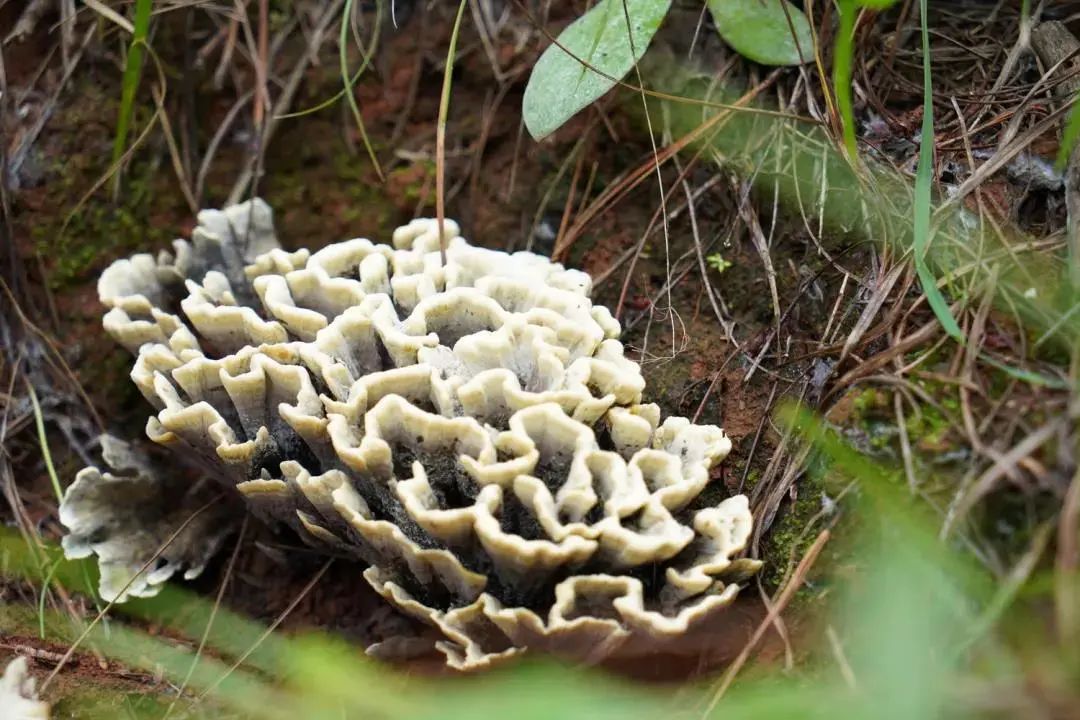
601	51
761	30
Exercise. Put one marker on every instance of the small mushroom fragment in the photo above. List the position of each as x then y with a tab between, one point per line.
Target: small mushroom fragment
471	430
18	695
127	516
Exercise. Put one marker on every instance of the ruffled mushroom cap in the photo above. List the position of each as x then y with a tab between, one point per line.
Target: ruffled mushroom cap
471	430
127	516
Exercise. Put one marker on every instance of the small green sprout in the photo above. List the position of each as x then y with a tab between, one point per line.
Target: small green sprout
718	263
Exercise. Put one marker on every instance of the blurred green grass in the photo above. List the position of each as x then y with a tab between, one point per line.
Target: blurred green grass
907	619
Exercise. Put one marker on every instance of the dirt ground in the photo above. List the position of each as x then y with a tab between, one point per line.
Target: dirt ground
787	302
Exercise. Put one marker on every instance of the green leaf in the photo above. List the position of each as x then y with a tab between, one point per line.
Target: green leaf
761	30
601	52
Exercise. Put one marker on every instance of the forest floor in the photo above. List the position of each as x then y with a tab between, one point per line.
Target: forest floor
733	301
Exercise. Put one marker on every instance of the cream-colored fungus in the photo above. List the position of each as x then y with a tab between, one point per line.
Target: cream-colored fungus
471	430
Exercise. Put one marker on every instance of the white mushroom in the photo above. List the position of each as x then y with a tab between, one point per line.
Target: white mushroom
471	430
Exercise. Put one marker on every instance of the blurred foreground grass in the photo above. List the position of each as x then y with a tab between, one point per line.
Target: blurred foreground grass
909	628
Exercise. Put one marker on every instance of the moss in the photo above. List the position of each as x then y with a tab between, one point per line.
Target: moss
322	191
869	419
99	231
752	477
871	402
412	182
670	383
18	620
789	538
666	384
89	700
928	429
75	234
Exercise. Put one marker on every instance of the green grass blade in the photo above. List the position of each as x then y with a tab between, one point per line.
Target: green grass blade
42	595
842	58
1032	378
343	54
922	194
1069	136
132	72
39	424
367	54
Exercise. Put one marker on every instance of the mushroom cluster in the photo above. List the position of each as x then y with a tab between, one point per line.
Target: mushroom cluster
463	420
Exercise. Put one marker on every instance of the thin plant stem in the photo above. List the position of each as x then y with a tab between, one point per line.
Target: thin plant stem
440	132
